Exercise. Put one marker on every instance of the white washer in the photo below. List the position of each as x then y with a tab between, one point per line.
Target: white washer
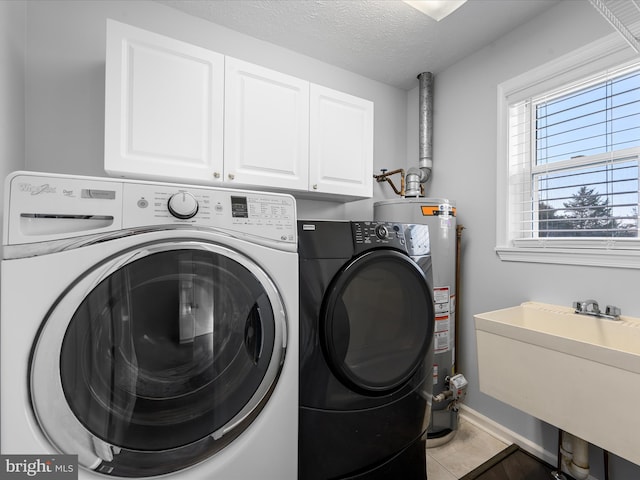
150	328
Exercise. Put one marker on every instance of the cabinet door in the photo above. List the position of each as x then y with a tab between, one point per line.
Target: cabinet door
341	143
266	127
164	107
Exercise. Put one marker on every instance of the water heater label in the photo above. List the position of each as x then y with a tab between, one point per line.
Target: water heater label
442	304
442	210
441	296
441	335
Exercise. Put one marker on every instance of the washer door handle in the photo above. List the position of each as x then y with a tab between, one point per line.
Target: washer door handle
253	334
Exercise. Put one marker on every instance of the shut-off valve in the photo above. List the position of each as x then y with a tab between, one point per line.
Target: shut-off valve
456	390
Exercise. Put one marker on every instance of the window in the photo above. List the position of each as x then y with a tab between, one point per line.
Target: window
574	160
570	162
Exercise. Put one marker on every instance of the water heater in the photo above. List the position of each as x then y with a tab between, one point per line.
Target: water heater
440	215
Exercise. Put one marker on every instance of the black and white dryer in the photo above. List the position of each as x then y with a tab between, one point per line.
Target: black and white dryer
366	331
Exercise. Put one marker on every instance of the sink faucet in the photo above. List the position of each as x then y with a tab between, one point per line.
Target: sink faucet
590	307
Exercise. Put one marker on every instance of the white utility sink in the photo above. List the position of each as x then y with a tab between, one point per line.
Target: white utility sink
577	372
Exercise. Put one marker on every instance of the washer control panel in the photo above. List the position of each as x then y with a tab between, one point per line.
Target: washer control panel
44	207
260	214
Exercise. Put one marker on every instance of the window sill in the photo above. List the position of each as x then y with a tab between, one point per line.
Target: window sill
617	258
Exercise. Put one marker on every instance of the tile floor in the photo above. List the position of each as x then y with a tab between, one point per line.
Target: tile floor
471	447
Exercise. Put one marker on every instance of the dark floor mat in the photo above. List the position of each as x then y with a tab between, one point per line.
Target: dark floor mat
511	464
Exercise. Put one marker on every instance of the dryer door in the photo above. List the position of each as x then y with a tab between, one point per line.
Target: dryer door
378	321
158	358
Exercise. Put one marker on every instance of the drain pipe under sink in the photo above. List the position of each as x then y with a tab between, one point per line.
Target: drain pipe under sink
575	456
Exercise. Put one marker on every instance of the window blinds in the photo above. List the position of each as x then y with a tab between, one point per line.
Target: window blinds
574	160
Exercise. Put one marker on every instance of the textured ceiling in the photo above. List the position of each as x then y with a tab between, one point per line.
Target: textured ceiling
385	40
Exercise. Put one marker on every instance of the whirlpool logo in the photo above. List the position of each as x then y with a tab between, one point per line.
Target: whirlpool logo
37	189
50	467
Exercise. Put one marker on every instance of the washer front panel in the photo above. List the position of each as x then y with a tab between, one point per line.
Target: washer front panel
158	358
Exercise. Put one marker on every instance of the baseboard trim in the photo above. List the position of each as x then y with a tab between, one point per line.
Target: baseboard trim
507	436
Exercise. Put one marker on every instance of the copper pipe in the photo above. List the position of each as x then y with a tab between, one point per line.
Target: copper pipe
459	229
384	177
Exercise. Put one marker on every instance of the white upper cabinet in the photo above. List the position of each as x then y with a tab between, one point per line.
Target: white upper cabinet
178	112
164	107
266	139
341	143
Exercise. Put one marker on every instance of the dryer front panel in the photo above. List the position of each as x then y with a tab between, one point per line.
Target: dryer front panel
158	358
377	322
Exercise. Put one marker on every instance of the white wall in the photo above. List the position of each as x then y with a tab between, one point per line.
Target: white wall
65	84
465	170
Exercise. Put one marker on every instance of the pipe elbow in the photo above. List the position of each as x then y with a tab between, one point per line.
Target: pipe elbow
413	180
579	473
425	173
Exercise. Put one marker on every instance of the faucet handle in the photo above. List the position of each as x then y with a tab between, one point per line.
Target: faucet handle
612	311
578	306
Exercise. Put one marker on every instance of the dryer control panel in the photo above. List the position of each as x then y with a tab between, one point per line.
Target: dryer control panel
41	207
378	233
411	238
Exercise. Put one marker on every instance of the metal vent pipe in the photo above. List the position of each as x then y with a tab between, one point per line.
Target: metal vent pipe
422	174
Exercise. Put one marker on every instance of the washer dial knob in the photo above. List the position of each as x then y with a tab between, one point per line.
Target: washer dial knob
382	232
183	205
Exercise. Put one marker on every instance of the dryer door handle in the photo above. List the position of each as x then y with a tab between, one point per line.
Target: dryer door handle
253	334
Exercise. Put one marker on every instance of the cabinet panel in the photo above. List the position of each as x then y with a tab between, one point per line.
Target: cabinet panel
266	127
164	107
341	143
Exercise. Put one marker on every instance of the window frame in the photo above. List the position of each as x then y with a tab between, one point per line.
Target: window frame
611	52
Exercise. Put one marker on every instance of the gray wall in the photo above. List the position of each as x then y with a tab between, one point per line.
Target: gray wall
12	55
465	151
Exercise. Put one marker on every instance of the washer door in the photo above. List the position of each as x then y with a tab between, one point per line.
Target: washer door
158	358
378	321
